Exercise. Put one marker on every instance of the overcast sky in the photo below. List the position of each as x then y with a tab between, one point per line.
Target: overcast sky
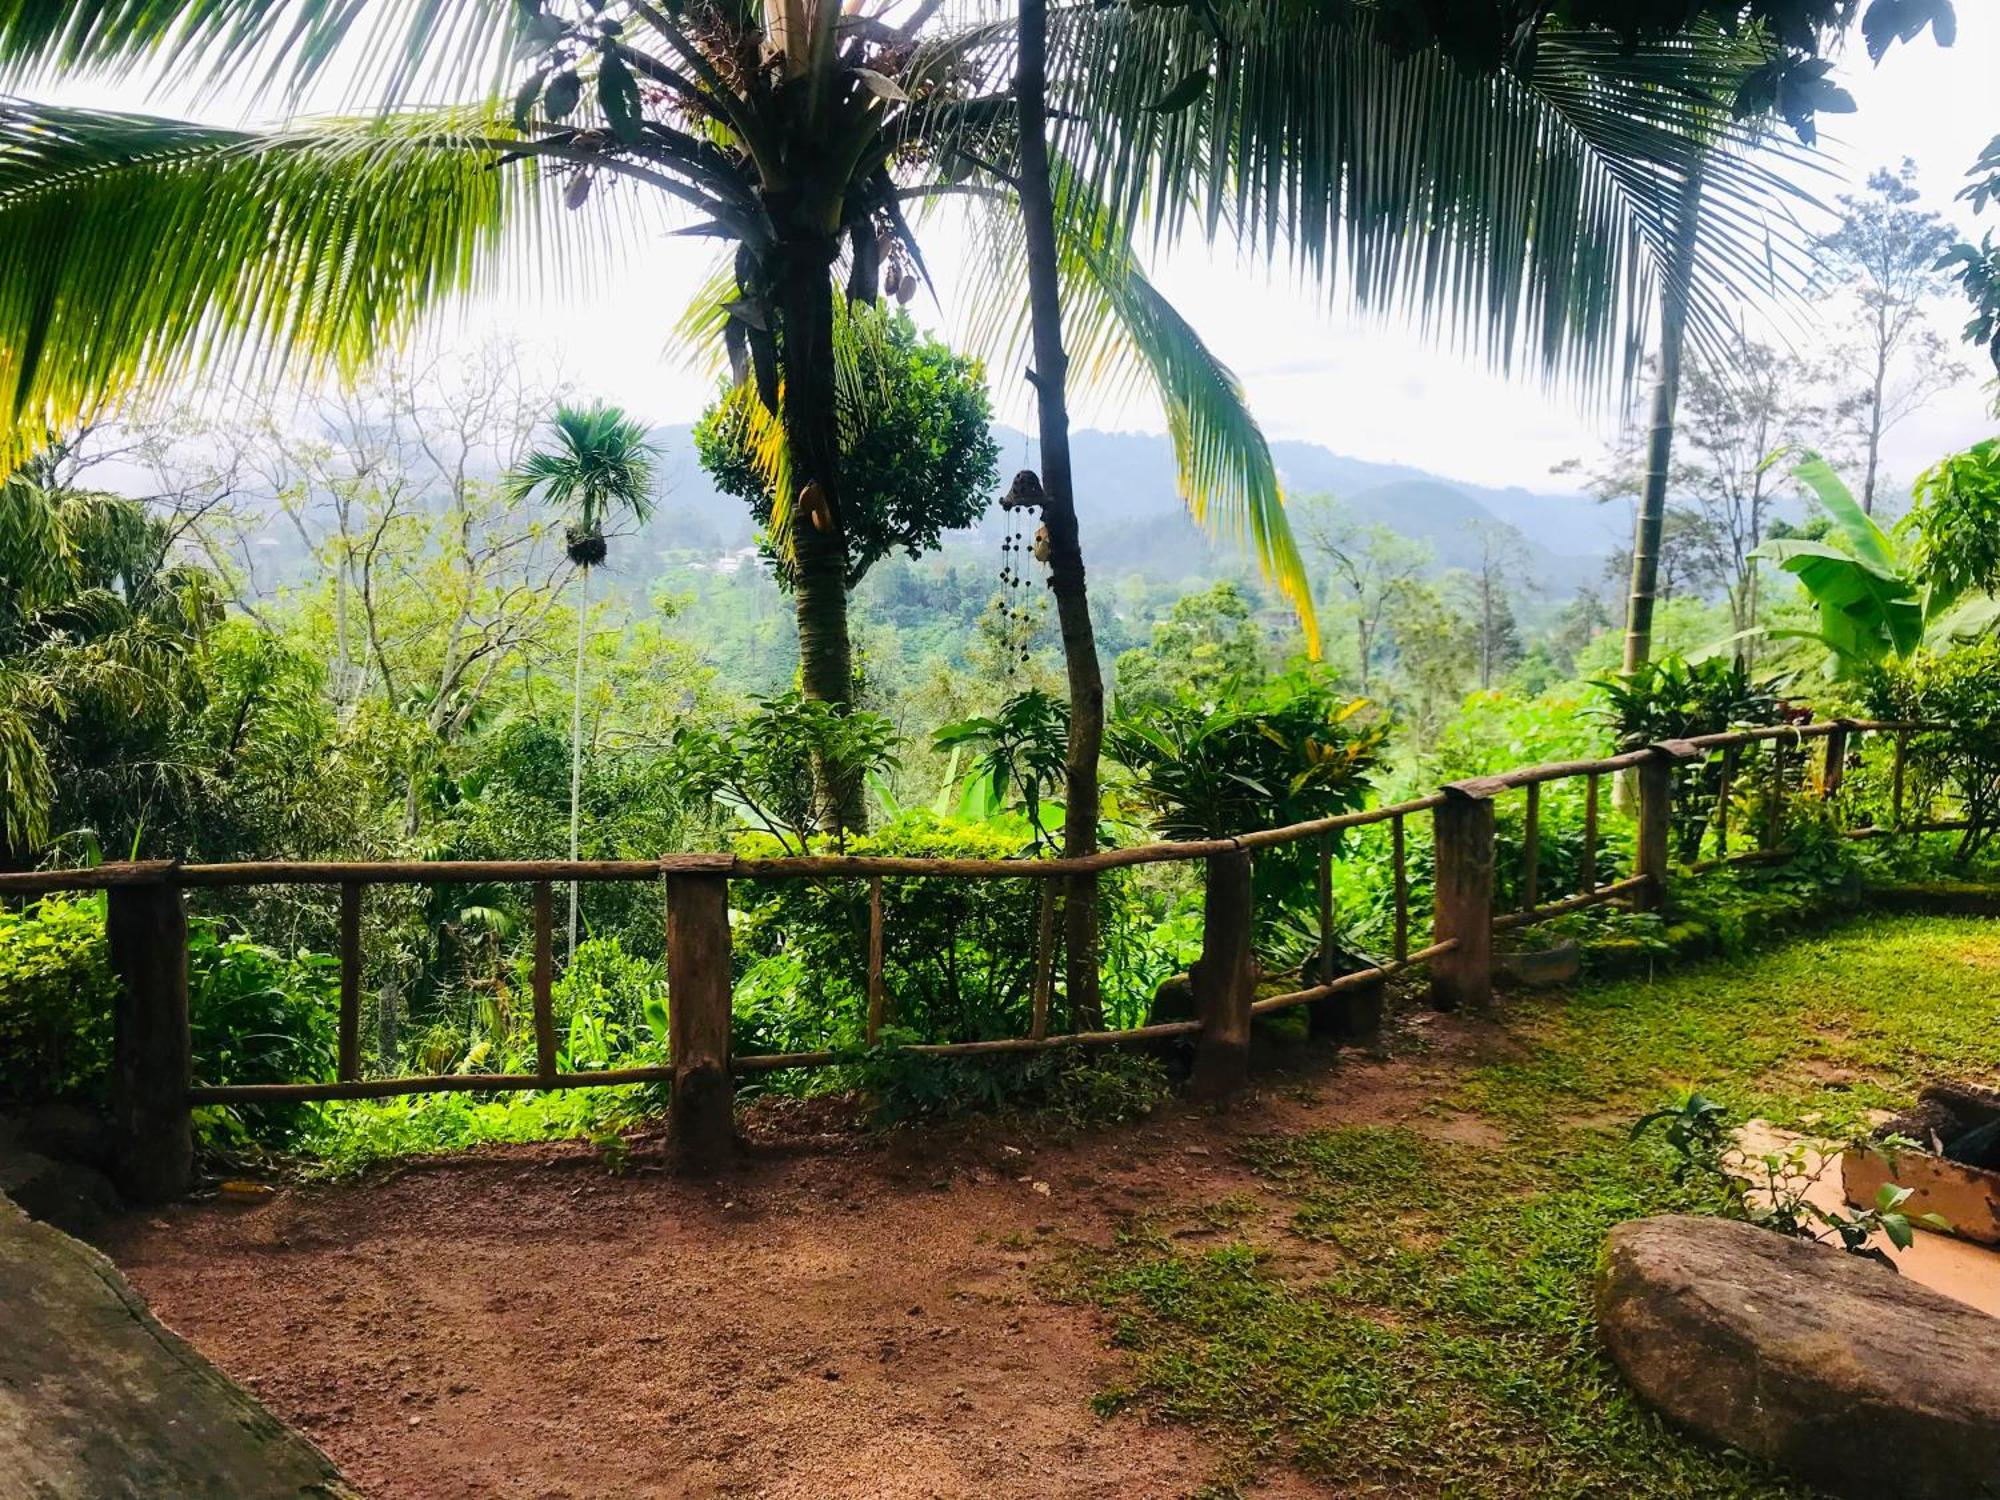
1362	388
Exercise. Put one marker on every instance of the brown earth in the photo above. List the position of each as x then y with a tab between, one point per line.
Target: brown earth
840	1316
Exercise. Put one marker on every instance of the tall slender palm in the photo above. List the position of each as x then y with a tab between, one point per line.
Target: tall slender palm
599	467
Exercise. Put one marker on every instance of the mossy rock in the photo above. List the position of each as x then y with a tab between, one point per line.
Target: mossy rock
1691	939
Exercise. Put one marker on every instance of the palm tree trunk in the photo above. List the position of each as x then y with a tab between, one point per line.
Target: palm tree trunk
819	544
1066	577
1660	446
576	753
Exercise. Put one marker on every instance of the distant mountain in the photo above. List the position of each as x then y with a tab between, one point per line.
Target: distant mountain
1132	519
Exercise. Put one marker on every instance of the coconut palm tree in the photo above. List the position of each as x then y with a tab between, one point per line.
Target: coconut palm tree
599	467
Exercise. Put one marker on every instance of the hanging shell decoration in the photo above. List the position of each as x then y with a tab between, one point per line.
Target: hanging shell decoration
1025	493
1040	550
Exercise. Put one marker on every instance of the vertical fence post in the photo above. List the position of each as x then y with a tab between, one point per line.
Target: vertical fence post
1462	827
545	981
350	980
151	1068
878	997
1590	796
1724	792
701	1119
1836	761
1224	978
1774	835
1045	957
1399	858
1656	819
1896	792
1531	841
1655	831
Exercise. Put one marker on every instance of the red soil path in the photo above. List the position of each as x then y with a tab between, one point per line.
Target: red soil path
840	1316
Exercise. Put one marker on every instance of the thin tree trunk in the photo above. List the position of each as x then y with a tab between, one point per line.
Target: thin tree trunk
1659	451
819	544
1875	430
576	754
1050	378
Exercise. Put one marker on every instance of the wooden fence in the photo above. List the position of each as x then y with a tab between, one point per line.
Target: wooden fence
153	1093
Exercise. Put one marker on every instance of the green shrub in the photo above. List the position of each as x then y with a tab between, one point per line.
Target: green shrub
1672	699
957	954
1068	1084
1293	750
56	992
255	1015
1960	689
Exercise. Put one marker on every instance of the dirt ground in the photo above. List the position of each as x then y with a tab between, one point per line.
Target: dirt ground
839	1316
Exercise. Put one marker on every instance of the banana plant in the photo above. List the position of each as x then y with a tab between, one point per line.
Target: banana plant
1873	602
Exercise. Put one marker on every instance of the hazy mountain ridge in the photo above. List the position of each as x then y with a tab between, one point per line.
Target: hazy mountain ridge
1133	521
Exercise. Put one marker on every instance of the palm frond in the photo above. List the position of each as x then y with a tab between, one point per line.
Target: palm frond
144	251
601	462
1121	334
389	50
1521	214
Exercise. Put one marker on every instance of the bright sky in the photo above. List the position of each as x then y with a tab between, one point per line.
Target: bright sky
1313	373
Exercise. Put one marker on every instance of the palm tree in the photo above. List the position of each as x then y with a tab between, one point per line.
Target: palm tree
794	132
600	466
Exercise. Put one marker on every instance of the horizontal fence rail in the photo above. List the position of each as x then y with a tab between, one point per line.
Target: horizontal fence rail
153	1091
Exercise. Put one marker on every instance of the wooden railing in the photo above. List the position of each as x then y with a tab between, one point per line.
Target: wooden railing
153	1092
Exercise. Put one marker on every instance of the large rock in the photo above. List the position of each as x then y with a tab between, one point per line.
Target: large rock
99	1402
1823	1362
67	1194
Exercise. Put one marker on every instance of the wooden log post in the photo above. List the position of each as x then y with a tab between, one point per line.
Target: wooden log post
1590	798
1531	843
878	997
350	981
1224	979
1654	845
1462	834
1836	761
152	1067
545	980
1045	954
701	1116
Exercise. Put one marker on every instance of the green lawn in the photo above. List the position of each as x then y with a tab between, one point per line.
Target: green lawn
1398	1316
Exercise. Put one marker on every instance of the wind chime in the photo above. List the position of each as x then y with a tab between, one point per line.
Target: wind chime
1024	496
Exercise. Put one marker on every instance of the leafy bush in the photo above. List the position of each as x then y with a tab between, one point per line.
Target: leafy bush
255	1015
1023	749
1293	751
957	954
1081	1090
1959	688
56	993
1772	1189
1956	521
762	766
1671	699
1290	752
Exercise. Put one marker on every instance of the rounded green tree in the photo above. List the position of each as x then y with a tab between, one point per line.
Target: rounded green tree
917	458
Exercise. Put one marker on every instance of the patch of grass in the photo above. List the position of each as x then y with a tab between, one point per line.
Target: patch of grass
352	1135
1444	1343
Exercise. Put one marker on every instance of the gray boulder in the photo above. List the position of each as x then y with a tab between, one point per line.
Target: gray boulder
1827	1364
99	1402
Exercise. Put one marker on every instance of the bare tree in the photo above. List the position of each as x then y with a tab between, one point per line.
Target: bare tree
1367	562
1882	262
